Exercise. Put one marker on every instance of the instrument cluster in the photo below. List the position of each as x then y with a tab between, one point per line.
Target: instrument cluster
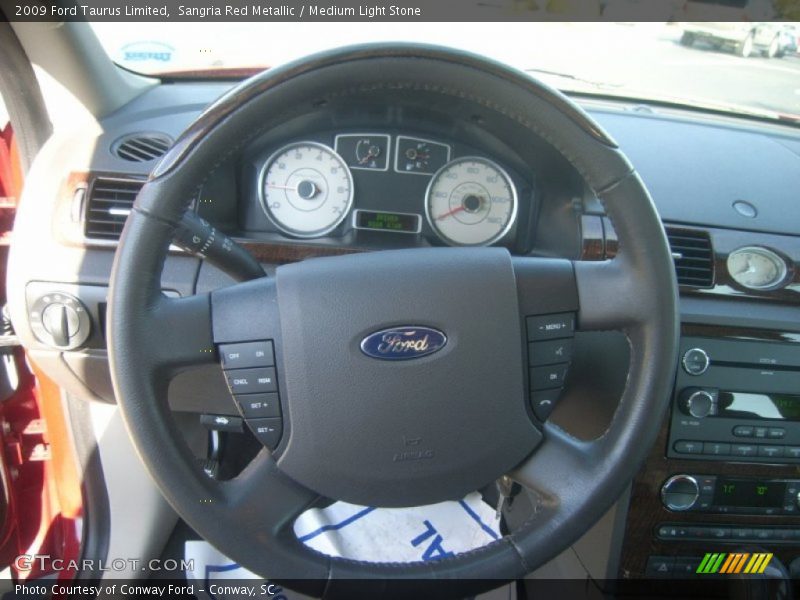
385	183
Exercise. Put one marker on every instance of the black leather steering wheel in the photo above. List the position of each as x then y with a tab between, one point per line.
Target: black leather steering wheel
345	413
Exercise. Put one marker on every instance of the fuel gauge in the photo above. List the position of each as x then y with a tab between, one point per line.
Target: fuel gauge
368	151
420	157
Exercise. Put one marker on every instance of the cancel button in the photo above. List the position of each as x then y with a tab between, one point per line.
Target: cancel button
252	381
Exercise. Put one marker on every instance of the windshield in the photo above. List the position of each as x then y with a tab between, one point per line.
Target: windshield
743	67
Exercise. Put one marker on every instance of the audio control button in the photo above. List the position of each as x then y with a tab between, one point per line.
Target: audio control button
716	449
695	361
688	447
760	432
776	433
698	403
743	431
770	451
792	451
744	450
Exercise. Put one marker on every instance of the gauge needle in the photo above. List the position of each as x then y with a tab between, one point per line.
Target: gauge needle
282	187
450	212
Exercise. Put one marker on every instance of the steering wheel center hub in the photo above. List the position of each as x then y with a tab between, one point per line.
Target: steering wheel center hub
444	415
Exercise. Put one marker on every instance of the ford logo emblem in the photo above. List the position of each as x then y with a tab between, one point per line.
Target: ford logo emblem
403	343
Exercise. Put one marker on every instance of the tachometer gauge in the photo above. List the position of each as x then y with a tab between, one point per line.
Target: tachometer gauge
306	189
471	202
756	268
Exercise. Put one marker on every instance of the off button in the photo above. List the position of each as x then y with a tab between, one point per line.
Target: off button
252	381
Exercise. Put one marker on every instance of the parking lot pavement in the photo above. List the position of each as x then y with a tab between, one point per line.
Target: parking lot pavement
644	60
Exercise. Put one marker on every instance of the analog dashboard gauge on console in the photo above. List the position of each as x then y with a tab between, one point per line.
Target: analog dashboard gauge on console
471	202
756	268
306	189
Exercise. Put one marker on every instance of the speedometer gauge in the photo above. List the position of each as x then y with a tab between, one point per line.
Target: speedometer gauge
471	202
306	189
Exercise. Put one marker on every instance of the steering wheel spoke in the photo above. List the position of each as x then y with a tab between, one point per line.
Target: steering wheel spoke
179	333
609	296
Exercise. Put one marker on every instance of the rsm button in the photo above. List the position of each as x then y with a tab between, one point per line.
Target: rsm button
252	381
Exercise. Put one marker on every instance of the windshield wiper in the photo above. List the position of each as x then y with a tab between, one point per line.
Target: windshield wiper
563	75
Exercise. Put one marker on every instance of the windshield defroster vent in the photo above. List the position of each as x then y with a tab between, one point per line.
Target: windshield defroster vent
693	256
141	147
109	204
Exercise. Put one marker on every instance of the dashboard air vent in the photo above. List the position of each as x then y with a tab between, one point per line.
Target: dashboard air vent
693	255
109	204
141	147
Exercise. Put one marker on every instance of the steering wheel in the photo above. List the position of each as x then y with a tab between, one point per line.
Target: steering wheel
348	418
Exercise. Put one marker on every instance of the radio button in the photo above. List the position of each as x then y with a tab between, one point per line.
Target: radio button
776	433
792	451
744	450
743	431
716	449
760	432
770	451
741	533
762	534
695	361
687	447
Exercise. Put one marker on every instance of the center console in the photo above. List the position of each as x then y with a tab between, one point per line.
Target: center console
724	473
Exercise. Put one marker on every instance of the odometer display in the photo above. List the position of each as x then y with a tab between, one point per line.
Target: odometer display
385	221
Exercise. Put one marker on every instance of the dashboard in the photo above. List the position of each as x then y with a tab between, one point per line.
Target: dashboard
400	170
340	184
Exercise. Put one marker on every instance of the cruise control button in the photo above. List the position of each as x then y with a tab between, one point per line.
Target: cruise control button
259	405
252	381
544	402
548	327
543	378
268	431
687	447
247	354
743	431
548	353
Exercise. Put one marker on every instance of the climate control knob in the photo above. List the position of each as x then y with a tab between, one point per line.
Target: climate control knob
698	403
680	492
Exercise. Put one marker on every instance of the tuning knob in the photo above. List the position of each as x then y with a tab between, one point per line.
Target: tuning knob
698	403
680	492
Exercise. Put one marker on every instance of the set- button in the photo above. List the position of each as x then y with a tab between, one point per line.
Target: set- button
549	353
250	372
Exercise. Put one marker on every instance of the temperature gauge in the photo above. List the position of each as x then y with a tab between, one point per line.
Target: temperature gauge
368	151
420	157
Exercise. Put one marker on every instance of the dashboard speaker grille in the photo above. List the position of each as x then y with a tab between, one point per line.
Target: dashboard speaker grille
693	255
108	206
141	147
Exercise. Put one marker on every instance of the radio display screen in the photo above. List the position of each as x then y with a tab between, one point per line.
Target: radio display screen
749	493
747	405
